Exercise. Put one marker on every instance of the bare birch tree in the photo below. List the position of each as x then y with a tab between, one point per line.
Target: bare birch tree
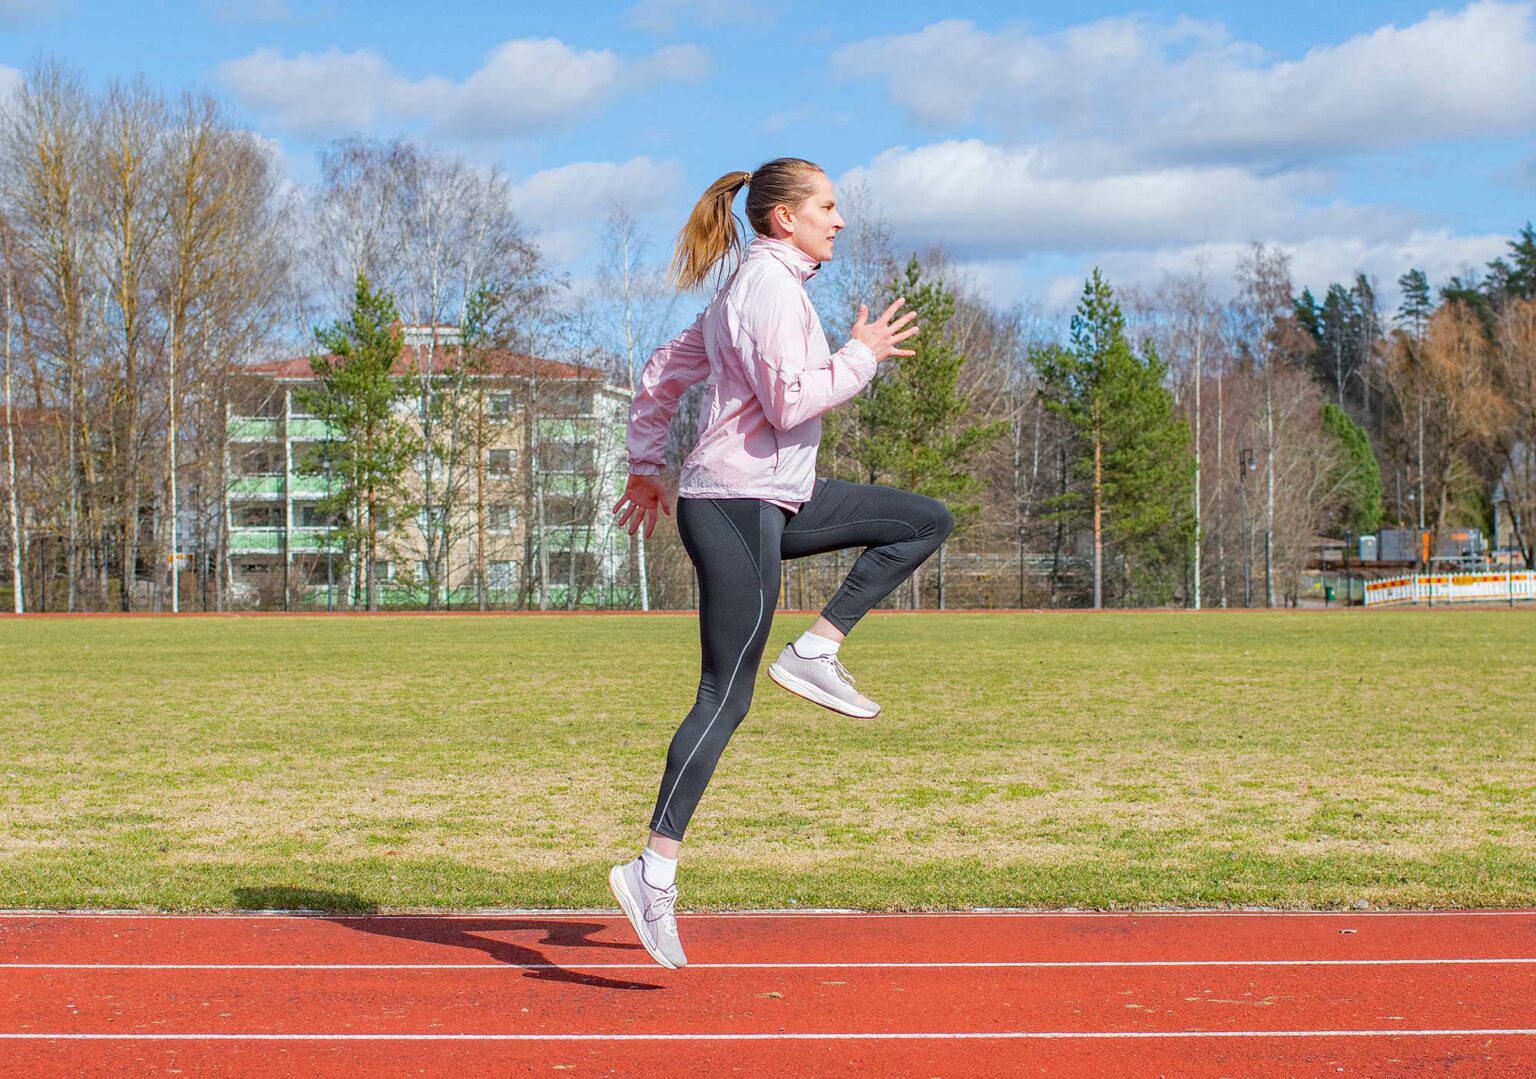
45	181
128	163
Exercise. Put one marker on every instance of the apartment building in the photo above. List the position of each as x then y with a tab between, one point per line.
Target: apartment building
527	523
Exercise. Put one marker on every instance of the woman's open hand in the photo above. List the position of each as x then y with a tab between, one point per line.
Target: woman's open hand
642	495
882	335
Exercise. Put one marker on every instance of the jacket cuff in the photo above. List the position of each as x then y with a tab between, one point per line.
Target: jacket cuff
860	354
644	468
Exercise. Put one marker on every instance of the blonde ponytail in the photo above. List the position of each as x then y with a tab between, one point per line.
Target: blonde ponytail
711	231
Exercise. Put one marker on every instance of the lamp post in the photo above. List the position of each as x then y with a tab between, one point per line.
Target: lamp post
1246	463
1021	569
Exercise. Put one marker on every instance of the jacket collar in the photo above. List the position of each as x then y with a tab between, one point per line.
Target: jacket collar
795	260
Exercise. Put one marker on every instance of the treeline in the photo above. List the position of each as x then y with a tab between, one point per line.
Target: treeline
150	249
1184	444
1190	443
140	249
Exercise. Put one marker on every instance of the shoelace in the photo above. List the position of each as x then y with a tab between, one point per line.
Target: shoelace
661	910
841	670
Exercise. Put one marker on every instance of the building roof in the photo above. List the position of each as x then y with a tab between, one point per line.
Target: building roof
414	359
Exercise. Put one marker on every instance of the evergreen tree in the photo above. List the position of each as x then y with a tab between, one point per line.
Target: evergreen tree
1521	280
1309	314
1134	466
1337	352
1417	306
371	447
1357	479
909	423
1474	293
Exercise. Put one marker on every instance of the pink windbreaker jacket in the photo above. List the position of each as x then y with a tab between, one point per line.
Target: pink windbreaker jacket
771	376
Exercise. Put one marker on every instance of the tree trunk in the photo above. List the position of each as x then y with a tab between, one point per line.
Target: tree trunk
18	602
1199	532
1269	495
1221	545
1098	512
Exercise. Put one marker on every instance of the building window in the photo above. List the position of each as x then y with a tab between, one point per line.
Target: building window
421	569
500	517
499	463
311	516
433	516
501	575
562	456
498	406
257	516
383	571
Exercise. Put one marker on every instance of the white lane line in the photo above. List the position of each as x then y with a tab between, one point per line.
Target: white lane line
1004	964
313	915
784	1036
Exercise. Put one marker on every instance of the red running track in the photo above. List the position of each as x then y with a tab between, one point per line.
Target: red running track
773	994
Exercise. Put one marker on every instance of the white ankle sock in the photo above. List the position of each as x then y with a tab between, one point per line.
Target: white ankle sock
660	871
811	645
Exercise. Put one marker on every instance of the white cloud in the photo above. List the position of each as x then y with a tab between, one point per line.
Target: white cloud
525	86
1185	91
1316	262
566	206
664	16
982	201
1011	219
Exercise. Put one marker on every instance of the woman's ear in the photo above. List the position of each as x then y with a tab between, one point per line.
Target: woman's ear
784	218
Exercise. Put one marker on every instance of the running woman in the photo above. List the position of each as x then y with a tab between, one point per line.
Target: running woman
748	494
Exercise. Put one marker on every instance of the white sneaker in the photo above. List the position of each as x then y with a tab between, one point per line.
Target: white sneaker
822	679
650	911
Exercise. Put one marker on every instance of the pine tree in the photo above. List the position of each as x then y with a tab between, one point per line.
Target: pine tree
1513	278
1134	450
372	446
910	422
1417	306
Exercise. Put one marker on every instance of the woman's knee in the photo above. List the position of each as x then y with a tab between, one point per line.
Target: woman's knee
941	521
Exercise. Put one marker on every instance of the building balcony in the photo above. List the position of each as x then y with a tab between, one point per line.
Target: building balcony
269	487
270	429
568	429
310	429
253	428
270	541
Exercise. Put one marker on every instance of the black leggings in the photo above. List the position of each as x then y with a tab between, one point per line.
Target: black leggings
736	545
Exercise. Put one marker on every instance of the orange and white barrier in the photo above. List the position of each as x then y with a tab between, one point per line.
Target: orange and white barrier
1451	588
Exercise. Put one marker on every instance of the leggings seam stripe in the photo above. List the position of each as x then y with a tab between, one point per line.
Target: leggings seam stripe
725	696
848	524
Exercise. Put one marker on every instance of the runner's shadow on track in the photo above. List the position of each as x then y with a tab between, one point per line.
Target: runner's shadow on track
453	931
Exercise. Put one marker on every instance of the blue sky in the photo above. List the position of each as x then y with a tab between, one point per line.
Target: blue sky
1032	142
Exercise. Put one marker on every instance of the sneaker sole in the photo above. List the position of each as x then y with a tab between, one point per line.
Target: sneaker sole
801	688
631	911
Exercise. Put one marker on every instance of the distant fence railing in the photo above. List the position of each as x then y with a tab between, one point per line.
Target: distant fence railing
1451	588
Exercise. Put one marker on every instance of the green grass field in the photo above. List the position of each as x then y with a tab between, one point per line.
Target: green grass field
1285	759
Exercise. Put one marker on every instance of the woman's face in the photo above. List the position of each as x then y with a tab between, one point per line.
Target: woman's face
813	224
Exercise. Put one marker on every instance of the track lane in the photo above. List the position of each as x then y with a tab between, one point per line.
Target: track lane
576	939
1207	1058
755	1001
